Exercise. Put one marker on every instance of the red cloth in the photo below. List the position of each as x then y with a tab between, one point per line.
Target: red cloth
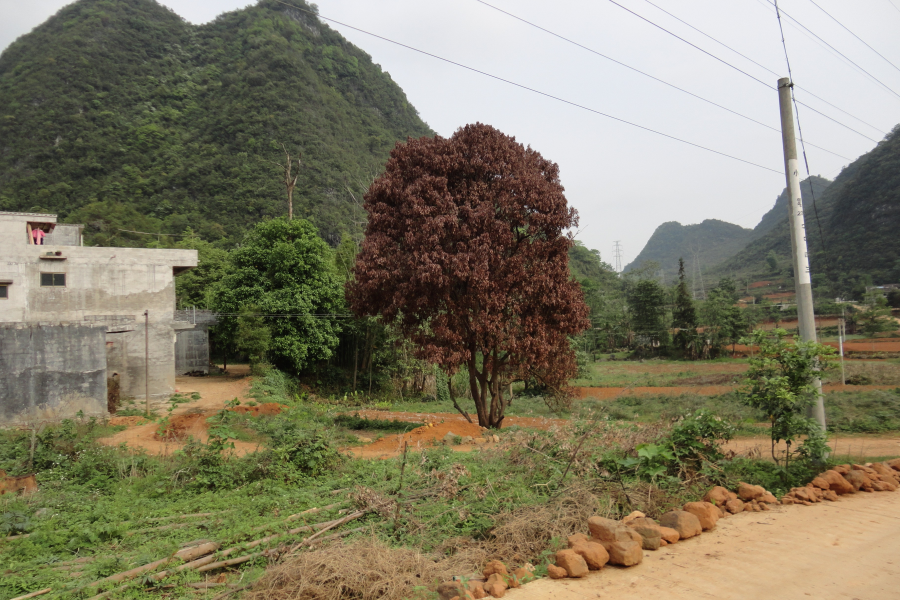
38	235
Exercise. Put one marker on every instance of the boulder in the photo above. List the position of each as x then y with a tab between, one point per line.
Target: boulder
572	562
593	553
669	535
718	496
858	479
625	554
576	538
763	506
894	464
837	482
821	483
734	506
496	585
842	469
886	472
768	497
555	572
884	486
449	590
686	524
831	495
748	507
707	513
523	575
649	530
476	589
788	500
494	567
749	492
631	517
609	530
450	437
663	543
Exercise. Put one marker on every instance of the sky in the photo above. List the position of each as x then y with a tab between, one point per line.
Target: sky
626	181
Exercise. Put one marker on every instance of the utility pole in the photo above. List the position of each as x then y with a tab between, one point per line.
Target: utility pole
147	362
802	280
841	330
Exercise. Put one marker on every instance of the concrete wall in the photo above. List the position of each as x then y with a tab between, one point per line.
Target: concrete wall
51	371
109	287
192	351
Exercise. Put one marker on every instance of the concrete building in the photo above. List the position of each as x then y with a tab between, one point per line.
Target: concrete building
57	296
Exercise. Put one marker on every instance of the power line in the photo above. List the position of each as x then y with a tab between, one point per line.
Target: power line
891	2
636	70
800	131
533	90
723	44
723	61
838	51
854	35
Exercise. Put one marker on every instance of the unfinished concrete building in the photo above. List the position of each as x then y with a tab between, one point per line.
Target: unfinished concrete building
71	316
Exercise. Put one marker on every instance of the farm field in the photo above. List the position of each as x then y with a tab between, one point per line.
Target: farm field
253	466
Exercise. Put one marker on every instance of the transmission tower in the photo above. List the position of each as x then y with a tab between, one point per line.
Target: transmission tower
617	253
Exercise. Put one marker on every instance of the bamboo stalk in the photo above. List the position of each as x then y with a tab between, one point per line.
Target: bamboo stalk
230	562
186	554
229	592
33	594
294	517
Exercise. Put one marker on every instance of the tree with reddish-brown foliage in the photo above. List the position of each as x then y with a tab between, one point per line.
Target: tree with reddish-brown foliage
466	251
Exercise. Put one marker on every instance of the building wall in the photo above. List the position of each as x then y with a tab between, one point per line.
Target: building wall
110	287
192	351
51	371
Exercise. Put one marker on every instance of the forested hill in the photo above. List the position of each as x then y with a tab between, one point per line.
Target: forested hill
121	115
859	216
705	243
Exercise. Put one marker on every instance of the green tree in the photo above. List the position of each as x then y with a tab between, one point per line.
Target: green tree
253	337
193	287
723	322
877	317
647	305
772	261
684	315
286	271
779	383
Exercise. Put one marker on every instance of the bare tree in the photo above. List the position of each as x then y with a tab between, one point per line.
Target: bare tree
289	182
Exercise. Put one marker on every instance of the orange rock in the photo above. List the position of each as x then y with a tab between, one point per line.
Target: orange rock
768	497
686	524
609	530
495	566
821	483
750	492
496	585
669	535
886	472
594	554
748	507
763	506
476	589
831	495
707	513
858	479
650	533
23	484
632	516
523	575
788	500
555	572
576	538
837	482
717	495
884	486
842	469
572	562
625	554
663	543
734	506
894	464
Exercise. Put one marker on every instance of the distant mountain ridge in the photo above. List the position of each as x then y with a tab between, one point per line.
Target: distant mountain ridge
703	244
121	115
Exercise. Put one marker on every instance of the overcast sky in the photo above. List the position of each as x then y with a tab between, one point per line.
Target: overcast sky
624	181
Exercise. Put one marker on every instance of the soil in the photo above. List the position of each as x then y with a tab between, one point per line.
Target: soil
787	552
188	419
863	447
266	408
441	425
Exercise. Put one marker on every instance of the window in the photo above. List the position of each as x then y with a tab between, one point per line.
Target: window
4	291
53	280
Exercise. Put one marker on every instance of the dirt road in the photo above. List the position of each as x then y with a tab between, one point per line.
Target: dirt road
844	550
869	446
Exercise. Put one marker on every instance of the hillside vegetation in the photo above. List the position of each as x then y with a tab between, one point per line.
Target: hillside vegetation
705	244
121	115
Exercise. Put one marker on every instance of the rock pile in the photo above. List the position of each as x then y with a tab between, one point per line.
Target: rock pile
495	579
847	479
622	542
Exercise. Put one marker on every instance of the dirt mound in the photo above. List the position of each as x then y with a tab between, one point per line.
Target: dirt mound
425	436
127	421
180	427
267	408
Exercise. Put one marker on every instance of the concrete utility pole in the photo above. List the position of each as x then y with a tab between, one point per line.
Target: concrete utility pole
802	280
147	362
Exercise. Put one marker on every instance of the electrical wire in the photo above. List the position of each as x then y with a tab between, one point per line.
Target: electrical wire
836	50
618	62
800	131
723	61
533	90
723	44
854	35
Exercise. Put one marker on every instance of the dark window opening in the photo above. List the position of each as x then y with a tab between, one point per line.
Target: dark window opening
4	291
53	280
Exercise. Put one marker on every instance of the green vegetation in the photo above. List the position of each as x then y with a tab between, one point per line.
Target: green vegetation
125	116
703	245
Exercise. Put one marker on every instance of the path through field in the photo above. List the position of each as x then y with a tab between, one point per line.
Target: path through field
844	550
868	446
